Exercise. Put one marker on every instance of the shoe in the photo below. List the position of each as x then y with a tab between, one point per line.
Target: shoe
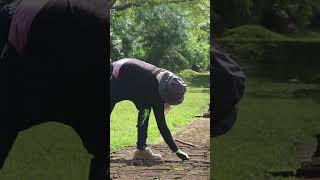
206	115
146	154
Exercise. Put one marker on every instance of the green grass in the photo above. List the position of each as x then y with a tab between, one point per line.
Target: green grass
49	151
124	118
275	118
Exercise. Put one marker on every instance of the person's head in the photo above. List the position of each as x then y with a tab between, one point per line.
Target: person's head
171	88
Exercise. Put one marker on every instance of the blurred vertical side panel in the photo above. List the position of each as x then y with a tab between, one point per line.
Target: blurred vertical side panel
227	86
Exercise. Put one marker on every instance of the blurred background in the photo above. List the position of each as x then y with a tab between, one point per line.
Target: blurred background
277	44
170	34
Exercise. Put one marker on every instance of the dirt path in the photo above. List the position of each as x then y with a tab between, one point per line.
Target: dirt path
198	168
311	165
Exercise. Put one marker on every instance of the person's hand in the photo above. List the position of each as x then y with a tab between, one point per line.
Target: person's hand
182	155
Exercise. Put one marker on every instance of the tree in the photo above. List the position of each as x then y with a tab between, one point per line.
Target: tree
170	34
280	15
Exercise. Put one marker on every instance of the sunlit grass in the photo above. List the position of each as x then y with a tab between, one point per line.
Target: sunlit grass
124	118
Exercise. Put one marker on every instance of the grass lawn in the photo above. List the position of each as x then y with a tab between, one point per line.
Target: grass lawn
49	151
275	119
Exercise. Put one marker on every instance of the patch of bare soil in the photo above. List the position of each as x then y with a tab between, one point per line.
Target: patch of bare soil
194	140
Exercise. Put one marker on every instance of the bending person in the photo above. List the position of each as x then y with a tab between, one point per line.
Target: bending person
53	68
148	87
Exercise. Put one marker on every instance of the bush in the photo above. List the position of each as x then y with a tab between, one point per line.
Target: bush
195	79
277	58
252	32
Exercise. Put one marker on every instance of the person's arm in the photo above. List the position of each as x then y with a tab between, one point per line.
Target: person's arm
165	132
163	128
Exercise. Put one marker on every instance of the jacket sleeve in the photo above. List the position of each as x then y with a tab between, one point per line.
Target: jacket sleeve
163	128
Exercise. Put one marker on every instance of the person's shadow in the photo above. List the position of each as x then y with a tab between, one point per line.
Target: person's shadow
131	162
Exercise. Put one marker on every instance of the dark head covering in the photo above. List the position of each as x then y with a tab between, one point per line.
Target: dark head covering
171	88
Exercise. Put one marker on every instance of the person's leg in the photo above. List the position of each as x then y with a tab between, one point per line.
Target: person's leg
95	139
4	91
91	120
99	167
10	107
143	122
7	138
142	151
112	104
80	72
12	79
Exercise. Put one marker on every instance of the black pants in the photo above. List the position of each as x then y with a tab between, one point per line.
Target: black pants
143	122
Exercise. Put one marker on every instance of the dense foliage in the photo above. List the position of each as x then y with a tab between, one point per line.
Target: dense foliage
172	35
278	15
273	55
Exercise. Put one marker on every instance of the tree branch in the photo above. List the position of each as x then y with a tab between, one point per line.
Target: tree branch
126	6
130	5
179	1
112	2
